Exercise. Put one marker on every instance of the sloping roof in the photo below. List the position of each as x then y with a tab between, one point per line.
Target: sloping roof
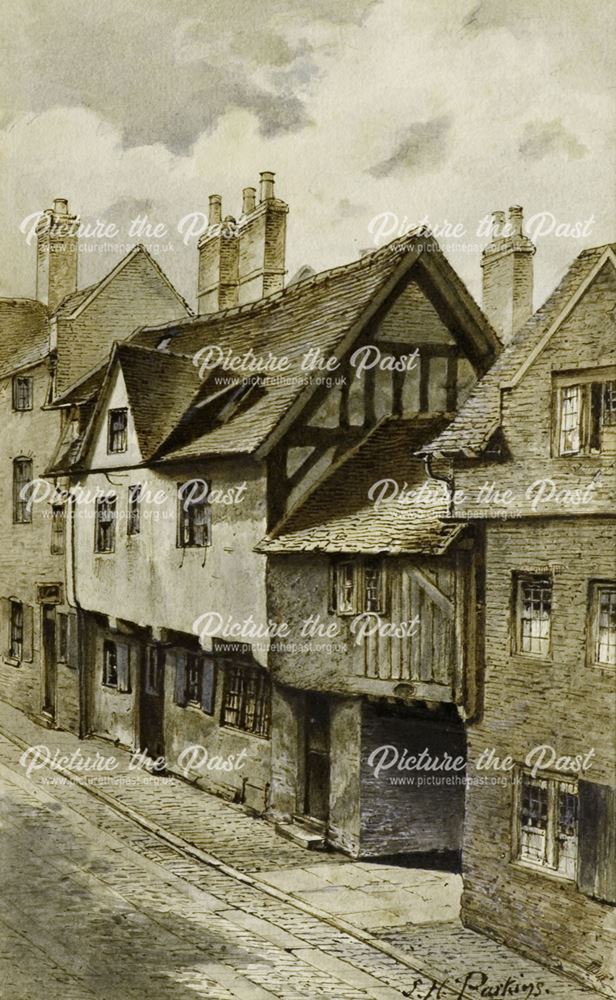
159	387
471	430
72	305
340	516
324	312
24	335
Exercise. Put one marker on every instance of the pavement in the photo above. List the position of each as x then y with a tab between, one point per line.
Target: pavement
128	885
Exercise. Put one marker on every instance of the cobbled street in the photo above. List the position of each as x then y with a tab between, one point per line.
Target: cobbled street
156	889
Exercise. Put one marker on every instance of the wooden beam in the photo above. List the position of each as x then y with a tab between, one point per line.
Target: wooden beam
445	603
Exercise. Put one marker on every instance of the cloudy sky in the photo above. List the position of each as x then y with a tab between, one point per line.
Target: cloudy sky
401	110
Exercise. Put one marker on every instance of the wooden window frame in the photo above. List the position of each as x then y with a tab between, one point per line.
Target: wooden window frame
133	510
556	784
359	569
596	390
247	698
111	501
18	396
520	579
596	588
110	677
186	525
117	438
16	629
22	512
58	523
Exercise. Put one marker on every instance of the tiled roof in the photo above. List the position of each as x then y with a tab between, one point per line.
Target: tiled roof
71	303
24	336
159	388
340	516
472	428
321	312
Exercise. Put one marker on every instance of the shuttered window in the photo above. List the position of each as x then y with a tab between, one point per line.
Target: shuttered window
110	664
57	528
596	874
195	680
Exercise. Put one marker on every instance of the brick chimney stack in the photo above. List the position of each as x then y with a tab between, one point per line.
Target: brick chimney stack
244	261
56	254
507	264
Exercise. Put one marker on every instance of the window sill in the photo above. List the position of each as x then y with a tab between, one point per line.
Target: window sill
244	732
549	873
530	658
12	661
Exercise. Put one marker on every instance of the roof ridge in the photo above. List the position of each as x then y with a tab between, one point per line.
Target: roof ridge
392	249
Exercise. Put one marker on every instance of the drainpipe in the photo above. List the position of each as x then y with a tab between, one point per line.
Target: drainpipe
73	600
447	480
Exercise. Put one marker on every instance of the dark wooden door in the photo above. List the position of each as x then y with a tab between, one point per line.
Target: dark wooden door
152	701
49	660
317	758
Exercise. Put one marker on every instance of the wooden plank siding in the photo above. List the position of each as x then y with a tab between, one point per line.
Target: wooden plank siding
425	592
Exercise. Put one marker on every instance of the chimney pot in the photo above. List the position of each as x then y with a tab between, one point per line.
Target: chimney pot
215	210
266	185
249	200
60	206
516	215
498	225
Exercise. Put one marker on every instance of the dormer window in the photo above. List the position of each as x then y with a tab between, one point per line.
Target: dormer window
586	413
117	438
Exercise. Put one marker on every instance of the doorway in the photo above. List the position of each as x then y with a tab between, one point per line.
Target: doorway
152	701
316	804
49	661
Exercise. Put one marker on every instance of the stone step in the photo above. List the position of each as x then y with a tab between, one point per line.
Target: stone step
301	836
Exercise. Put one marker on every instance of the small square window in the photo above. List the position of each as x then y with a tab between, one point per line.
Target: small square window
117	440
22	392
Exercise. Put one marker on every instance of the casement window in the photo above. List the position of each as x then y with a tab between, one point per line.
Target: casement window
547	824
22	392
246	698
195	680
357	586
116	665
110	664
586	413
57	528
133	517
194	519
16	626
533	598
104	524
603	624
22	477
117	435
62	624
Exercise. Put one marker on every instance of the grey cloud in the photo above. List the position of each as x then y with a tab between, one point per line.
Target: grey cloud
422	146
540	139
163	72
